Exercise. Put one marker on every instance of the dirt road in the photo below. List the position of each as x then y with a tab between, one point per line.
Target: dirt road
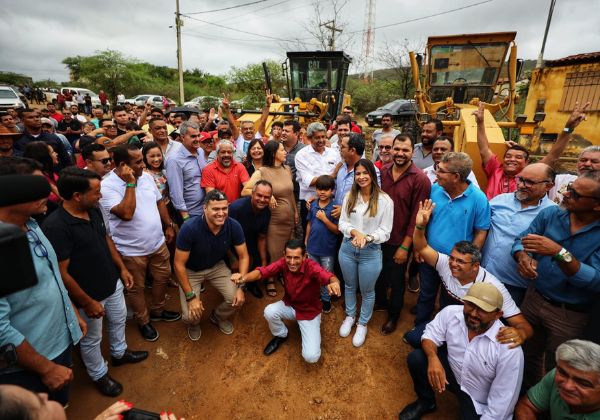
227	377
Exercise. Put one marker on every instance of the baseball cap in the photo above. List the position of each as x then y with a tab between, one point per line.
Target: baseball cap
205	136
486	296
47	121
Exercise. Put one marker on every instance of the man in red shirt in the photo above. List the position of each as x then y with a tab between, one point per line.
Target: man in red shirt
225	173
302	279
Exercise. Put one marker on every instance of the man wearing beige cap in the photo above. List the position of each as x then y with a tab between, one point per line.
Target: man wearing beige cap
460	351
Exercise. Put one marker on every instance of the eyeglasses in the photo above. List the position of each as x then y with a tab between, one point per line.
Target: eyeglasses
458	260
104	161
576	196
39	249
441	171
528	182
385	147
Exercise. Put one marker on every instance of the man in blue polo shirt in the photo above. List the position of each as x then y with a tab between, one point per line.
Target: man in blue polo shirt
202	246
462	213
561	251
512	213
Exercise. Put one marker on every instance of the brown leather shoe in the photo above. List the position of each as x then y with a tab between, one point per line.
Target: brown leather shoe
389	327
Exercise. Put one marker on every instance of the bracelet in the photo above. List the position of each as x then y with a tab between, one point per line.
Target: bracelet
404	248
189	296
419	227
131	184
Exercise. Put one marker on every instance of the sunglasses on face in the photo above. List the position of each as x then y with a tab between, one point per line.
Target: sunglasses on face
104	161
576	196
385	147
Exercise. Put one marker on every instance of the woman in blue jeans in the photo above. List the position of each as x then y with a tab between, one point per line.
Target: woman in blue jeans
366	222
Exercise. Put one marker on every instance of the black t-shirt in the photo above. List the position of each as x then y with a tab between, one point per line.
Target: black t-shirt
74	124
84	243
253	224
207	249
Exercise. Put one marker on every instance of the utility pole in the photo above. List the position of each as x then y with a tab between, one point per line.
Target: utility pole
178	25
540	60
331	26
369	40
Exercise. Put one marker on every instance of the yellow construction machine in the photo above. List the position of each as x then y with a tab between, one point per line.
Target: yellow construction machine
316	81
459	72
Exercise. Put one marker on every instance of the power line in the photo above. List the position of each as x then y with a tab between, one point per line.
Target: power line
227	8
426	17
237	30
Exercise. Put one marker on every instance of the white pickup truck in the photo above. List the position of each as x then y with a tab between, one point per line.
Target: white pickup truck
51	94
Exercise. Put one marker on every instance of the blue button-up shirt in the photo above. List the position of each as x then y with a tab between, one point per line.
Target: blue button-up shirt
508	221
581	288
455	220
43	314
184	172
344	181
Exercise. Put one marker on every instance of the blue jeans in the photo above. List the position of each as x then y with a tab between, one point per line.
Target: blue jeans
327	263
116	316
361	268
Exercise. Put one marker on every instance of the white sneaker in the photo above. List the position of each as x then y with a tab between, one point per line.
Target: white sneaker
359	336
346	326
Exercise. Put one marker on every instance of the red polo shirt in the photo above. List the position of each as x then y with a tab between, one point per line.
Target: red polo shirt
406	192
498	182
230	182
303	288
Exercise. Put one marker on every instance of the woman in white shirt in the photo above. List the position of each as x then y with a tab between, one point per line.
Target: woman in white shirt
366	222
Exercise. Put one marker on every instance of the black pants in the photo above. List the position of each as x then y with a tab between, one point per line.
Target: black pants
391	276
32	381
417	365
303	216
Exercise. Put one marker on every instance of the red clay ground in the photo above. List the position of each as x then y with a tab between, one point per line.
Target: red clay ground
227	377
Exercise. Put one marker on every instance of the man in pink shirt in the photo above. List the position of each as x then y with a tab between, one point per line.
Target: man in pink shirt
302	279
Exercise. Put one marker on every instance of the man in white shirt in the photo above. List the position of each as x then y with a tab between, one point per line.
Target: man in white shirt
312	162
484	374
136	210
387	129
588	160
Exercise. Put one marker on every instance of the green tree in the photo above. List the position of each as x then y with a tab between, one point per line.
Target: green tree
250	81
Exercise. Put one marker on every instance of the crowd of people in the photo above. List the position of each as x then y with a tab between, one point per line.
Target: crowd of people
148	199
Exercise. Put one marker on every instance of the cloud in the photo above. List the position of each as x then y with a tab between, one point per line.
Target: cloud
37	35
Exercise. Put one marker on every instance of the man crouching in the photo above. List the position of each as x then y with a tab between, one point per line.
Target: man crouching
302	279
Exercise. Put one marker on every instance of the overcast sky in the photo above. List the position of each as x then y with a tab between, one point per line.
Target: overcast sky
36	35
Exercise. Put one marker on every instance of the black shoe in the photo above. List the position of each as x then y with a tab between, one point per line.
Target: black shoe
129	357
167	316
416	410
148	332
108	386
274	345
254	290
389	327
326	306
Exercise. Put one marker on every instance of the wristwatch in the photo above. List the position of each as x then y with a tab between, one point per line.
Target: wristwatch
564	255
369	238
568	129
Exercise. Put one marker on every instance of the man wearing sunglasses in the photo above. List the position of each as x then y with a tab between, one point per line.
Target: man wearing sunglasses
384	149
441	146
560	251
512	213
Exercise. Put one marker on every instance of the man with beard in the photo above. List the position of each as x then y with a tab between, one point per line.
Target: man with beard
571	391
385	150
406	185
8	121
512	213
386	130
441	146
254	215
7	139
159	131
501	176
69	127
76	115
431	130
225	174
302	280
483	373
561	251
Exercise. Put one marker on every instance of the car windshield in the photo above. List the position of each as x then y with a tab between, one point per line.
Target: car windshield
473	64
390	105
7	94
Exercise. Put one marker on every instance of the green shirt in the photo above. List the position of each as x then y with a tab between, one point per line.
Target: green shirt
544	396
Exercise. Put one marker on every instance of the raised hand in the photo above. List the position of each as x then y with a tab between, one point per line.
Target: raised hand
479	112
577	115
424	214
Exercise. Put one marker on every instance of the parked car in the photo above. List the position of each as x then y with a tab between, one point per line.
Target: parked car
156	100
10	99
402	111
203	102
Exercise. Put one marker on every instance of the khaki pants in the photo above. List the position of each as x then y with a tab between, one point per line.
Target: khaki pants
160	269
220	277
